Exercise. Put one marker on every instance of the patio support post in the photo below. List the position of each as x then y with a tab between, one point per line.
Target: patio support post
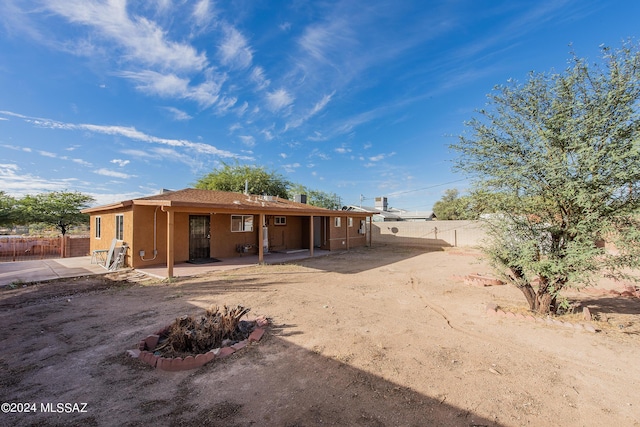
346	223
311	236
170	243
261	239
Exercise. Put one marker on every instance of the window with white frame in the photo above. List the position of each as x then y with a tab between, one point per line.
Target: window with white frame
120	227
350	222
240	223
280	220
337	221
98	227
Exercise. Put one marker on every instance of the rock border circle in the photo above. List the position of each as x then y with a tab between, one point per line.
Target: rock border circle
146	347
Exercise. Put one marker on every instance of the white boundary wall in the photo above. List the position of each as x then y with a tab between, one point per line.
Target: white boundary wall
428	233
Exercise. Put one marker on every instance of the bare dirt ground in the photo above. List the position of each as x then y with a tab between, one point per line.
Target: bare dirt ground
375	337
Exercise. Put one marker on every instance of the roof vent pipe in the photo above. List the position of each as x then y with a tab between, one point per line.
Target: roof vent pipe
246	187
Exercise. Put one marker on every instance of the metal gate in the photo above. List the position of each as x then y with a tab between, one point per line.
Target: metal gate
199	237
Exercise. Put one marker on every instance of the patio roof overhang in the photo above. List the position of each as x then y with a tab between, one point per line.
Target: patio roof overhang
218	202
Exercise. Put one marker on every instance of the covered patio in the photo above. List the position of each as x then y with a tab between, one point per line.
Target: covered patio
185	269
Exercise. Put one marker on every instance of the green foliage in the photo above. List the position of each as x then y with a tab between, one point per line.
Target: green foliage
452	206
7	209
233	178
260	180
318	198
563	151
58	208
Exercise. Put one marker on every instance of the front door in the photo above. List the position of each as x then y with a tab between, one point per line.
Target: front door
199	236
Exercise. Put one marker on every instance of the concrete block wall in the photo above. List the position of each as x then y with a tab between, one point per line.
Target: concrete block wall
429	233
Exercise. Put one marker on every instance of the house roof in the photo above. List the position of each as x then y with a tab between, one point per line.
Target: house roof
373	211
417	215
393	213
219	200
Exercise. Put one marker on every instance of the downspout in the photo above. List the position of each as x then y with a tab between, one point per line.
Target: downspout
155	233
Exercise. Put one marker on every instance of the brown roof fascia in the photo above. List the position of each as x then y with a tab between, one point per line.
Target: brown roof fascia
254	210
112	206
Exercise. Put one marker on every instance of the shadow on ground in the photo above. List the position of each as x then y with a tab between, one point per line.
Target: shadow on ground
619	305
71	348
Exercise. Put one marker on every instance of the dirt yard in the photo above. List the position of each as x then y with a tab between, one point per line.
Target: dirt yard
375	337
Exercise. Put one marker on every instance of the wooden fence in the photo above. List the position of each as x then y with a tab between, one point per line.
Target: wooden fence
24	248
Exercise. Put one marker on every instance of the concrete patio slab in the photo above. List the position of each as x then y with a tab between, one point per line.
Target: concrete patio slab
47	269
185	269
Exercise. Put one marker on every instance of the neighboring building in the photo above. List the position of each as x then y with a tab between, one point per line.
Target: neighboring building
382	212
191	224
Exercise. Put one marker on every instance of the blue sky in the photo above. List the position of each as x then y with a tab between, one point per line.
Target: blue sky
120	99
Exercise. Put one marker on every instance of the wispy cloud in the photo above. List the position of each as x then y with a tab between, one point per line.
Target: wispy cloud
82	162
128	132
318	106
258	77
120	162
203	13
113	174
19	183
279	99
323	41
319	154
290	168
142	40
47	154
248	140
380	157
173	86
178	114
161	154
234	50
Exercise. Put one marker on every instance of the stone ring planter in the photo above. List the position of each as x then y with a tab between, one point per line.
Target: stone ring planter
146	347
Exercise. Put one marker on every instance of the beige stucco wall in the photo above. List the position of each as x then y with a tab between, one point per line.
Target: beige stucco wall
224	241
429	233
345	237
108	230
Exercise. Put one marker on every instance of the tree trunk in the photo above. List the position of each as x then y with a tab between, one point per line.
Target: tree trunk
542	301
546	303
530	295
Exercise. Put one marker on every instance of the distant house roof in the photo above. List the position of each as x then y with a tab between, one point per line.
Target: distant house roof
394	214
417	215
384	215
210	199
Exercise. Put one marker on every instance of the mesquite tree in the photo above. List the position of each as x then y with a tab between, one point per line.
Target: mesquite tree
58	208
257	179
563	149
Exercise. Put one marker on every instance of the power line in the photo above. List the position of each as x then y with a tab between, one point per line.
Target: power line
414	190
426	188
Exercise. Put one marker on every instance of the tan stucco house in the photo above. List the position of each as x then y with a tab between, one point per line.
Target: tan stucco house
192	224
